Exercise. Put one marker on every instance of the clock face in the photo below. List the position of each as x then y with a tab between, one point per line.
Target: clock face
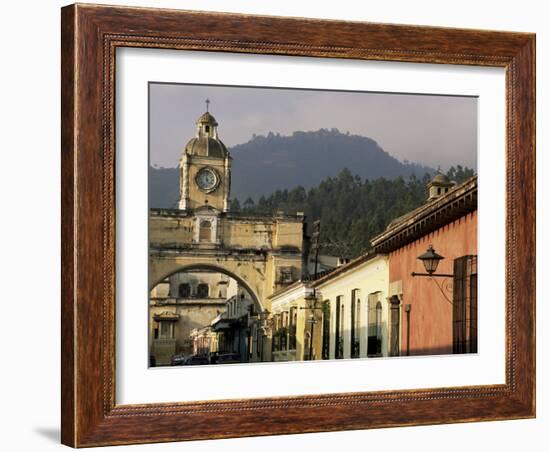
207	179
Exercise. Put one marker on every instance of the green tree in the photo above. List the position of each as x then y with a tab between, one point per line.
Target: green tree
249	205
235	205
352	210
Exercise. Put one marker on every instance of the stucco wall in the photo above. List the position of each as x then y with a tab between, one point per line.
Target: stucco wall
247	248
369	277
241	232
430	313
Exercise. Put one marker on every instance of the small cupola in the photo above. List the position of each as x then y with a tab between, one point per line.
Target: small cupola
439	186
207	126
206	142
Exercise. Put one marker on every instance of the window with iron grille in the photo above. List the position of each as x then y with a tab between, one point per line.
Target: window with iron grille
355	323
326	329
465	305
338	338
374	345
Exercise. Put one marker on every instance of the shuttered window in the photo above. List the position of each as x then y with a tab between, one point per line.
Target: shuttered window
465	305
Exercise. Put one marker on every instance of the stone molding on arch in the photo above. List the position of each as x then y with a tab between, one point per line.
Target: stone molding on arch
156	279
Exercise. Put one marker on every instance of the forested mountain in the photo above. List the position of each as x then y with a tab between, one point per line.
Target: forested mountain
352	210
275	162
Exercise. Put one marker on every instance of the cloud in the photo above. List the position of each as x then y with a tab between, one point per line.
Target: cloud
433	130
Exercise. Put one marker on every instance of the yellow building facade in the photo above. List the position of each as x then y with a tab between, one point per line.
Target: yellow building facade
345	312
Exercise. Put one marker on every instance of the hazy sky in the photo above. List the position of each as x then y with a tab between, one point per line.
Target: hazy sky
433	130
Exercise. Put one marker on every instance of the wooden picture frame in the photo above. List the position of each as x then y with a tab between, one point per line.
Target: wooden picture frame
90	36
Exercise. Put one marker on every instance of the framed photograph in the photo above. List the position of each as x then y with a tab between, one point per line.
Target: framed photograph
276	225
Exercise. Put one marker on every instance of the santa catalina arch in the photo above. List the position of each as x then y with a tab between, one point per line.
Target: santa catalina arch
264	253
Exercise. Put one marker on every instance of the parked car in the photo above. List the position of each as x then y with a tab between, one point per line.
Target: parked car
196	361
178	360
228	358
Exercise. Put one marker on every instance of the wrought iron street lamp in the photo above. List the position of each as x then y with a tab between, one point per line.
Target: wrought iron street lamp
431	259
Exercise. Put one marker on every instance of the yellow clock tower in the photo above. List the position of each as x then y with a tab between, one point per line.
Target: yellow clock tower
205	169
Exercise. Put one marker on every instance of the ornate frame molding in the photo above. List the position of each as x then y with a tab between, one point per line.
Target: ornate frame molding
90	36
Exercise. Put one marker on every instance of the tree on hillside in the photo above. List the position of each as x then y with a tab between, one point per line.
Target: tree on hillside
235	205
352	210
460	174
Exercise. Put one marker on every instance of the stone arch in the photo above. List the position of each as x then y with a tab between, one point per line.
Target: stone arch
214	268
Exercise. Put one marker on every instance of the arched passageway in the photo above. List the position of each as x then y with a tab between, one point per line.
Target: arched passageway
213	268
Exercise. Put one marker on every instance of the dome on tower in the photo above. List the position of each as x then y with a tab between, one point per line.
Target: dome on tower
206	142
441	178
206	147
438	186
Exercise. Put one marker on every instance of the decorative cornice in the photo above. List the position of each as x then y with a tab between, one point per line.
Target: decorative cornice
455	204
178	213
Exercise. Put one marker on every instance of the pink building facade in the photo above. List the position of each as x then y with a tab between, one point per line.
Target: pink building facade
434	314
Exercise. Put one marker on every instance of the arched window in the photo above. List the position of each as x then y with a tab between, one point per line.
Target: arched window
339	336
184	290
202	291
205	231
355	323
395	307
374	346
